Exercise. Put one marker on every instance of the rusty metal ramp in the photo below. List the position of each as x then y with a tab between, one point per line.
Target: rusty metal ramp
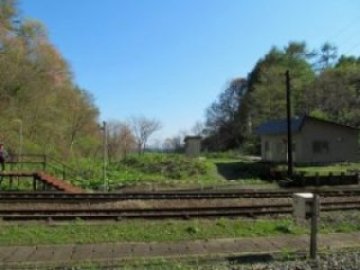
57	184
47	181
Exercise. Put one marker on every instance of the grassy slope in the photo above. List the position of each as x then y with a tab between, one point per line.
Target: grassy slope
175	170
162	170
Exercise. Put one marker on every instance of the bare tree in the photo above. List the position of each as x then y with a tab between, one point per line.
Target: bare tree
198	128
121	140
143	128
173	144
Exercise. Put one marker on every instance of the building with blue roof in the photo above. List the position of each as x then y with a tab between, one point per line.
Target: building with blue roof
314	141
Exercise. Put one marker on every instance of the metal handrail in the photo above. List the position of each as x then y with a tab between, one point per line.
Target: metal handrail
46	162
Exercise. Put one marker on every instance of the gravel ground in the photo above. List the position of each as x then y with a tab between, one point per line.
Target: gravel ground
338	261
330	219
349	260
145	204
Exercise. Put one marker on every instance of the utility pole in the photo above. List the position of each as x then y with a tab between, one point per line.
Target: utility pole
289	135
104	128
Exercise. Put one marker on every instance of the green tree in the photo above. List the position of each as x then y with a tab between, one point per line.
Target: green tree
336	92
37	90
267	83
224	124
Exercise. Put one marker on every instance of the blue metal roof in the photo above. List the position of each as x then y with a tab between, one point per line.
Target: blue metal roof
280	126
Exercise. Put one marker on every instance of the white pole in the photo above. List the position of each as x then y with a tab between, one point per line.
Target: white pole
105	156
20	141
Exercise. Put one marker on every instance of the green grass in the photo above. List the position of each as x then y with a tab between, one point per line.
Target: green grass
161	171
158	170
165	170
340	222
325	169
139	230
161	168
177	170
168	230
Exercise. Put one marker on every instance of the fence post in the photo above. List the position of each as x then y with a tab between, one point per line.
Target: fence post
63	172
317	179
331	179
34	183
44	162
314	226
12	160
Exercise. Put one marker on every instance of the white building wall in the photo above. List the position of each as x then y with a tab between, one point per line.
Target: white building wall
342	142
277	148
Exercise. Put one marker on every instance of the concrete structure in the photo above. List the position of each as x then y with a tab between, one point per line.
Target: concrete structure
192	146
114	255
301	206
314	141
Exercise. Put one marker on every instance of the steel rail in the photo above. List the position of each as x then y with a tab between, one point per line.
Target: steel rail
159	213
15	196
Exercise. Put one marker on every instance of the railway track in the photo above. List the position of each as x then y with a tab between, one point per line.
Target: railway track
160	213
54	196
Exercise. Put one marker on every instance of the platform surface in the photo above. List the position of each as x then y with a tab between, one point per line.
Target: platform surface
113	253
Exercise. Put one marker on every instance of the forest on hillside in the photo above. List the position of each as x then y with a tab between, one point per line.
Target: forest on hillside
38	94
323	84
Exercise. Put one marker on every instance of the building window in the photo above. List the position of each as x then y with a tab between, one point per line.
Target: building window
320	147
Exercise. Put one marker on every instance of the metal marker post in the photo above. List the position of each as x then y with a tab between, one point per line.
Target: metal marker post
20	141
314	226
105	155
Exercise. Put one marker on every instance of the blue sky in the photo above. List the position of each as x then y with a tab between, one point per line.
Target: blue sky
169	59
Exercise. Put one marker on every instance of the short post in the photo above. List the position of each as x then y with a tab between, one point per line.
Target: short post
44	162
105	156
44	186
63	172
314	226
34	184
331	178
317	179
